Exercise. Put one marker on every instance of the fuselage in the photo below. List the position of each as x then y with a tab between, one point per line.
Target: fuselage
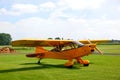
70	53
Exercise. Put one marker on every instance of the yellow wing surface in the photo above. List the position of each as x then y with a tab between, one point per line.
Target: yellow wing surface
93	41
45	43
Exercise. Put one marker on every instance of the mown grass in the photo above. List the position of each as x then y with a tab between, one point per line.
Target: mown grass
109	49
18	67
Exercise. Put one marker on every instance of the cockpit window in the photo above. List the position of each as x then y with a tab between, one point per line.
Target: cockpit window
71	45
78	43
68	46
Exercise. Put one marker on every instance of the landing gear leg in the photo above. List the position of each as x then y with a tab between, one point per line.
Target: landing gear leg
39	60
84	62
69	64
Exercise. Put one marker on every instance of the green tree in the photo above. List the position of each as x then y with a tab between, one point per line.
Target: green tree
50	38
5	39
57	38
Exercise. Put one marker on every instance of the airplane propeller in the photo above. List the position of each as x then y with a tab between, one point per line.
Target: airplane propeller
96	48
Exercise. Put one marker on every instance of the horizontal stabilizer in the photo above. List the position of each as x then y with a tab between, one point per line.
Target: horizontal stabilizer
31	55
40	55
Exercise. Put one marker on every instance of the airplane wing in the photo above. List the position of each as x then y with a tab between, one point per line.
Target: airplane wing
93	41
43	43
47	43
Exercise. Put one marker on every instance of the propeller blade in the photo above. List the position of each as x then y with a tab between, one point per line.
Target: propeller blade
99	50
89	41
96	47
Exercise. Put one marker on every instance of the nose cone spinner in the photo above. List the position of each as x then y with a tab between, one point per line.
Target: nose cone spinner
93	48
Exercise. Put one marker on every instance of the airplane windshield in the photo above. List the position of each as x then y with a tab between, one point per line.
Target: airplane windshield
78	43
69	46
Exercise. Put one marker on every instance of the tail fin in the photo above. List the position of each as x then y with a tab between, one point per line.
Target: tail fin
39	55
40	50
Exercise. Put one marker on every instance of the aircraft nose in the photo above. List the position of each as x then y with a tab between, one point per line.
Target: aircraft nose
92	50
92	45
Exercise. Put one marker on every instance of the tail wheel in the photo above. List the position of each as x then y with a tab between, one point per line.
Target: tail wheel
69	64
39	60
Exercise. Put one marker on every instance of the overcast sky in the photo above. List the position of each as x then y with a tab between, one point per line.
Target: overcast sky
73	19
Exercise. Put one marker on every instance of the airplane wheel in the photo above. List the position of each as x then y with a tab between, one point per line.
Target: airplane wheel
69	66
86	64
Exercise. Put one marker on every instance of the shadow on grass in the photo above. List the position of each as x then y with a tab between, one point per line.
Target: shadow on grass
36	67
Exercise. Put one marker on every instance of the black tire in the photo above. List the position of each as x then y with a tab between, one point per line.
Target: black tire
86	64
69	66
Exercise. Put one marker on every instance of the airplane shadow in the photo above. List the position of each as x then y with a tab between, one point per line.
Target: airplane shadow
36	67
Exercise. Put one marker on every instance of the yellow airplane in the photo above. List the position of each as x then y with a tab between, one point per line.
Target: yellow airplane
61	49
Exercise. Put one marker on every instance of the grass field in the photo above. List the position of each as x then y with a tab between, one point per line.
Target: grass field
102	67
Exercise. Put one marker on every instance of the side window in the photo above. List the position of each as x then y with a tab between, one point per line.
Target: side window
68	46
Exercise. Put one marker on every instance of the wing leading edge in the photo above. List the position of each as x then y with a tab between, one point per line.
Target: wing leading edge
43	43
93	41
47	43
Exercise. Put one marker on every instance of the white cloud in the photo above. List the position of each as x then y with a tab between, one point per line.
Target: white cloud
6	27
56	14
19	9
84	4
74	28
47	6
118	8
61	3
96	28
2	11
29	22
62	6
24	8
62	21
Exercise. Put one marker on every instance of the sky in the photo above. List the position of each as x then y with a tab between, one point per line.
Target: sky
70	19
